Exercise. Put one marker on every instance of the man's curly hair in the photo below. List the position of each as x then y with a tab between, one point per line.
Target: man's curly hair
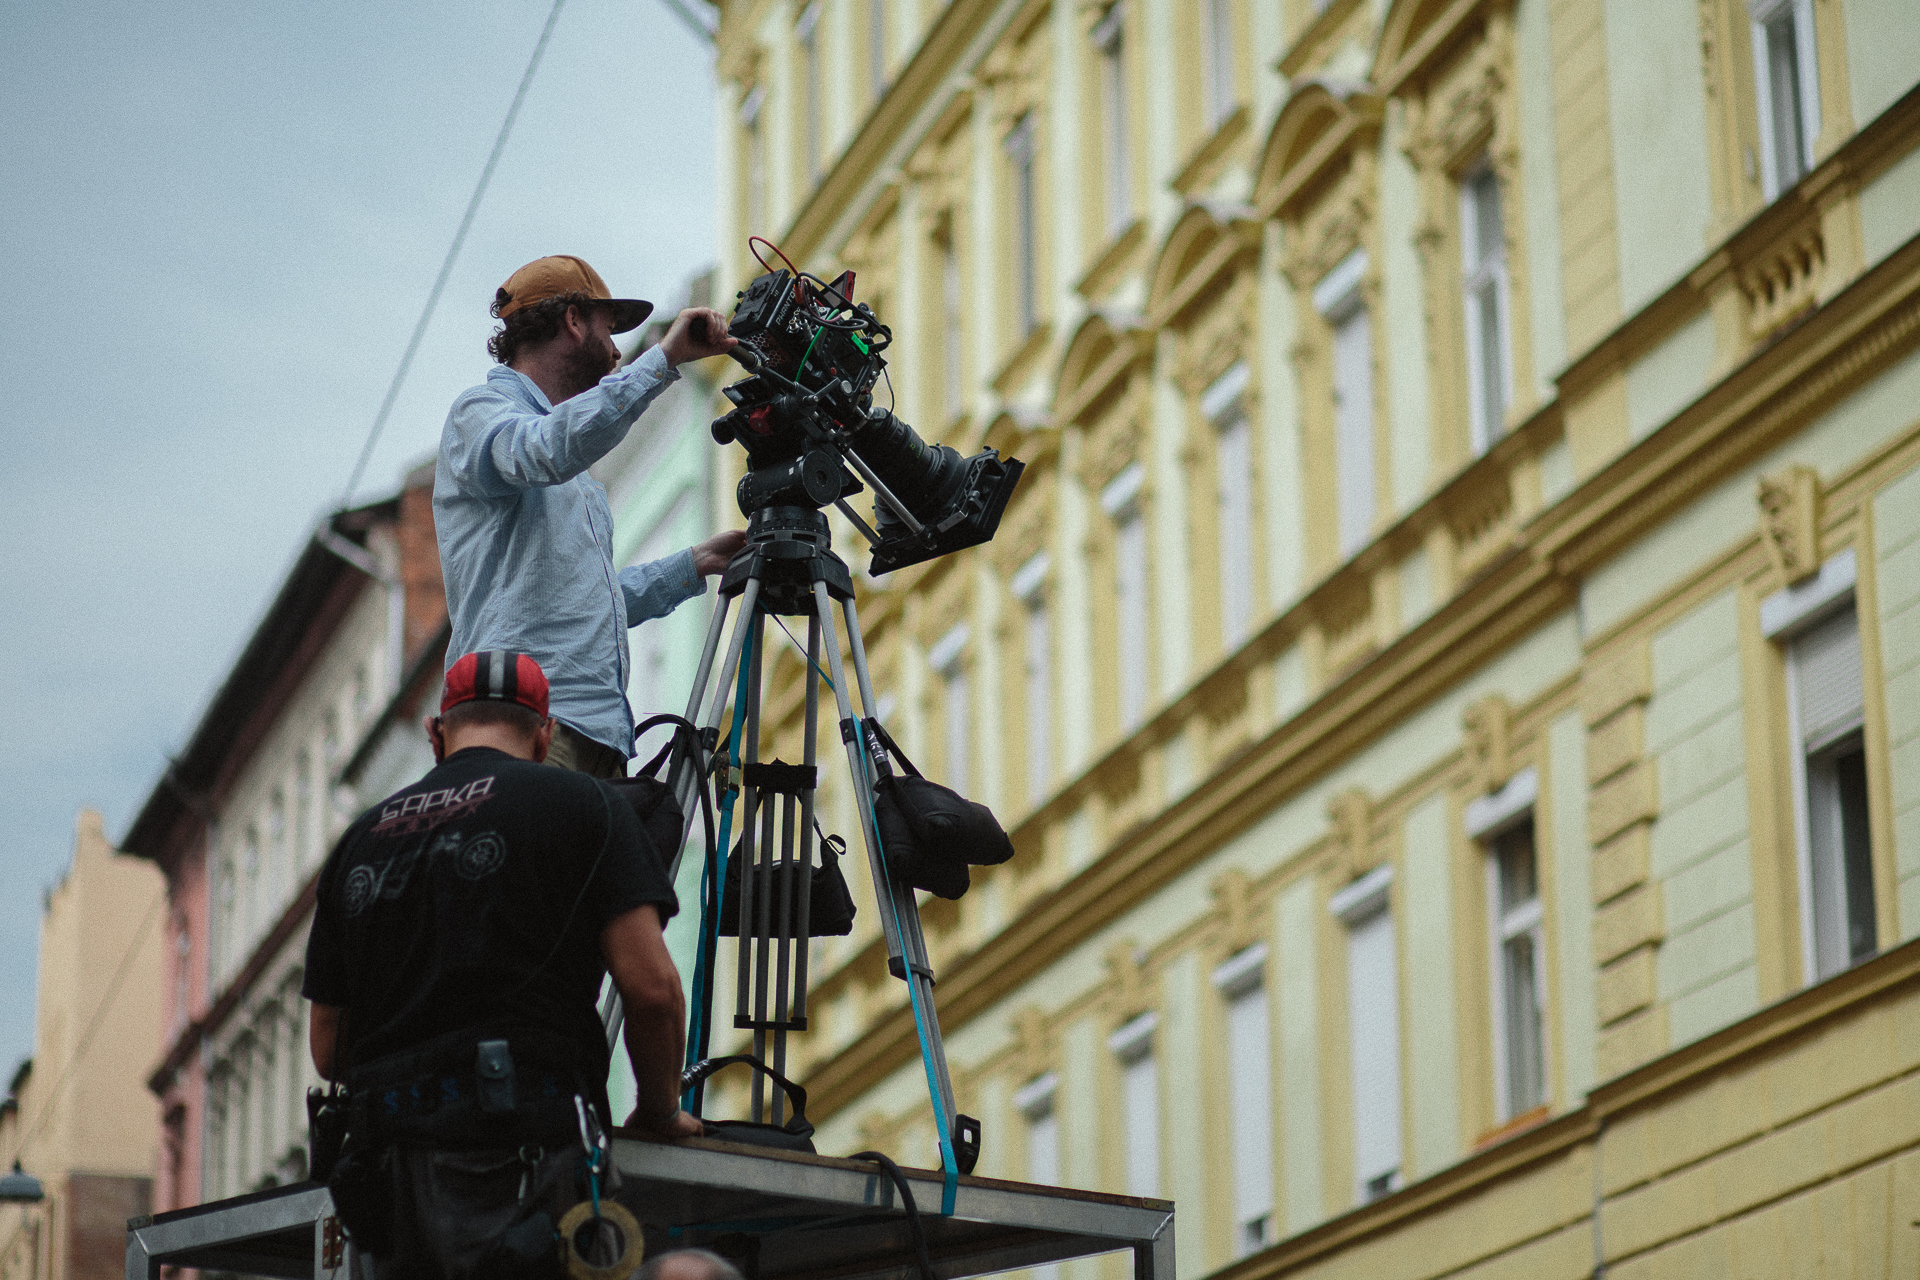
533	325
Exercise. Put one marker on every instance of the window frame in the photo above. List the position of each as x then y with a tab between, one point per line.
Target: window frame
948	659
1109	37
1217	70
1763	15
1029	587
1122	500
1242	983
1133	1051
1341	301
1021	148
806	39
1787	617
1367	904
1486	422
1224	405
1488	819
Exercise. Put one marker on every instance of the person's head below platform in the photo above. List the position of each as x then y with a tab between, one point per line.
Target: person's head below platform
687	1264
493	699
558	319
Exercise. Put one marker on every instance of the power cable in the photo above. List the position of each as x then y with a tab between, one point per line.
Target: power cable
693	20
453	252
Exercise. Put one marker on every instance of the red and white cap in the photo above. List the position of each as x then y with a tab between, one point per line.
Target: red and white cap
495	675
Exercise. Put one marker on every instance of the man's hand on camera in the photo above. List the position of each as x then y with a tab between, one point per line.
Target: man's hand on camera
695	334
716	553
677	1124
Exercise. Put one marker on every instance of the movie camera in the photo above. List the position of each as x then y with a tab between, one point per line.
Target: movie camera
807	412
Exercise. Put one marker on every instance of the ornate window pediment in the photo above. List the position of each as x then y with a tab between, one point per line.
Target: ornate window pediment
1323	122
1207	240
1416	33
1104	349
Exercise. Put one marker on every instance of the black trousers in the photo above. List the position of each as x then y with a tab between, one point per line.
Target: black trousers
451	1208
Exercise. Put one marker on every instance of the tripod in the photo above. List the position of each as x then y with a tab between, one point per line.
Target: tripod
788	568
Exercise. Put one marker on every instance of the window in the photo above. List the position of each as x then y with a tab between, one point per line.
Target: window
756	139
1132	1044
1121	499
877	46
1520	967
1035	1103
1109	38
956	721
1223	406
1338	298
1786	89
1019	147
1241	980
1030	588
1110	43
1819	627
1373	1031
1503	824
1483	258
952	383
1824	667
806	34
1219	61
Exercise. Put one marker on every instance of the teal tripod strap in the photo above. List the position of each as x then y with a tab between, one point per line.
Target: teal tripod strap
942	1122
699	1029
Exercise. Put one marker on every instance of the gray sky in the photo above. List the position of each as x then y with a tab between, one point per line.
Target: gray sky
219	224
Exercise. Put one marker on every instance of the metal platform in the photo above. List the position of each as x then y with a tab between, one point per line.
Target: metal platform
790	1216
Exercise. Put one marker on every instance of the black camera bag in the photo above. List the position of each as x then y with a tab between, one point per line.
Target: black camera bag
652	800
795	1135
830	908
931	833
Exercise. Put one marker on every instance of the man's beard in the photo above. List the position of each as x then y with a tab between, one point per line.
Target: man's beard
589	362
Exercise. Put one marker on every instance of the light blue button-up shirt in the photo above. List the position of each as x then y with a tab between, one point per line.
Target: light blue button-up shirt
526	538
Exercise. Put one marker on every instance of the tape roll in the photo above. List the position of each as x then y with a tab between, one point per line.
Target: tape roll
614	1213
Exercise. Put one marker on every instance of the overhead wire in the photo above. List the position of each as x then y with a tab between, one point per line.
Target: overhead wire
453	252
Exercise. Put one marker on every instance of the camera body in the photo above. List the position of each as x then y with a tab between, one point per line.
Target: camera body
808	408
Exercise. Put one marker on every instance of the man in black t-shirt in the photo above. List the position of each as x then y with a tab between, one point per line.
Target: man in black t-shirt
461	935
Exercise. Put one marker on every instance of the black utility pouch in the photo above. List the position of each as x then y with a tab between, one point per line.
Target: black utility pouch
362	1189
326	1131
493	1077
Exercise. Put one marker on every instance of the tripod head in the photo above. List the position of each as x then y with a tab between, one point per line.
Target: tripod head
807	420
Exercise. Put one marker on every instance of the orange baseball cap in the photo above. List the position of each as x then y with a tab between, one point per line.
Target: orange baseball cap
562	274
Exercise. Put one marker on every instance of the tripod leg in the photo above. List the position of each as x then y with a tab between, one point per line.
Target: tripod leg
858	766
805	872
683	770
899	912
683	774
918	966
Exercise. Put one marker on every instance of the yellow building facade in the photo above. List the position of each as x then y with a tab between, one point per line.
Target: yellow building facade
79	1117
1451	669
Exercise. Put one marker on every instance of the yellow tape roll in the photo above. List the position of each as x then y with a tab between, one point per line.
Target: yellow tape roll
615	1214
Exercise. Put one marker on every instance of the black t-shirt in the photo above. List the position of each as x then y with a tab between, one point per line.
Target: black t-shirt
474	899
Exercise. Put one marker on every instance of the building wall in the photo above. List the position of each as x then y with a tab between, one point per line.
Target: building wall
234	1068
1554	612
80	1118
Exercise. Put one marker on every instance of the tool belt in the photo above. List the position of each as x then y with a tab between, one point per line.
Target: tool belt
469	1090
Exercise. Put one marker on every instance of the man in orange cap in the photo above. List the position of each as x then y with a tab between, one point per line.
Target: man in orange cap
526	535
